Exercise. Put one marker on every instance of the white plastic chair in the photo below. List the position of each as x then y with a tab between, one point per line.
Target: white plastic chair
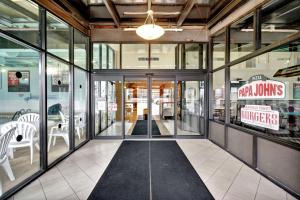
29	117
80	125
26	130
4	162
60	130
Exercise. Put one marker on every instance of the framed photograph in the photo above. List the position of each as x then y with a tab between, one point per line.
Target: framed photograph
60	82
18	81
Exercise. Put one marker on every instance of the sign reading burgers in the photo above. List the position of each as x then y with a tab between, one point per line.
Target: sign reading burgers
260	87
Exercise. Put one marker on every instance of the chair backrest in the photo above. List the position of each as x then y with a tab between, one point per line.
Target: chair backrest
25	129
29	117
64	119
4	141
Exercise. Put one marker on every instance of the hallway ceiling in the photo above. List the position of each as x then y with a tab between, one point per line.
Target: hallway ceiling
112	13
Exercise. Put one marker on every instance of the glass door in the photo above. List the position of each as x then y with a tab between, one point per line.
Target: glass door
136	117
162	107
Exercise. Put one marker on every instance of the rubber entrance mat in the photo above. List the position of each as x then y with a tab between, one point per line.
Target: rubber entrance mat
144	170
140	128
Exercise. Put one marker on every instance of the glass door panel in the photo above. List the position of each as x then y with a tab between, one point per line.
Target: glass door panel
136	107
190	108
162	108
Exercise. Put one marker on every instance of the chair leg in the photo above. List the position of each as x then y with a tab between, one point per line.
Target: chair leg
31	152
8	170
11	153
49	142
54	140
0	188
66	138
78	132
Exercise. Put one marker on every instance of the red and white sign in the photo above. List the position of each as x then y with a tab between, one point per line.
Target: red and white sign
260	115
261	88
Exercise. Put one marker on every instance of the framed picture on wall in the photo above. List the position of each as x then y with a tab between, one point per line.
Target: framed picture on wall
18	81
60	82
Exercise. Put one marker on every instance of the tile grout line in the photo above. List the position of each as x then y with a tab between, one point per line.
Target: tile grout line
42	188
235	177
68	183
221	164
257	187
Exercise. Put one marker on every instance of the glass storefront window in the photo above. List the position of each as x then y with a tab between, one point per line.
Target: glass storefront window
58	83
80	105
218	50
80	49
58	37
265	93
20	107
21	18
106	56
195	56
218	96
280	19
241	37
162	56
135	56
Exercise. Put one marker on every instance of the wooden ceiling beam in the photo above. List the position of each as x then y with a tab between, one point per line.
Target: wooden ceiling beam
185	12
112	11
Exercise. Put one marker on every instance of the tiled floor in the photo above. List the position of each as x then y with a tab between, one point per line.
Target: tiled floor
225	176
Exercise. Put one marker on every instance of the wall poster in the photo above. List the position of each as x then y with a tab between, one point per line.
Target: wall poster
60	82
18	81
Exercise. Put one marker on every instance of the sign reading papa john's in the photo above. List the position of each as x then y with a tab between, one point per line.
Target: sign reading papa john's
261	87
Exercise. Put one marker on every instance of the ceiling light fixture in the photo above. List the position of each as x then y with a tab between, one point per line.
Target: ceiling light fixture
150	31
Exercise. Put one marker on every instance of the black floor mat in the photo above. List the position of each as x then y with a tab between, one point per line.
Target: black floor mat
172	175
127	175
140	128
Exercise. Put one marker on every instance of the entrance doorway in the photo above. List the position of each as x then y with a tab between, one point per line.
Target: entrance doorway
148	106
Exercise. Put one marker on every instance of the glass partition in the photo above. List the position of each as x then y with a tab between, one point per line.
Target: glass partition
135	56
58	37
190	107
218	96
80	105
20	107
80	49
265	93
241	37
58	83
195	56
108	108
218	50
162	56
280	19
106	56
21	18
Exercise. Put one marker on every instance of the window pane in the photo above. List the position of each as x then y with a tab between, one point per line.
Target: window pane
162	56
80	49
268	86
58	37
195	56
106	55
135	56
219	50
241	37
19	99
218	96
20	18
80	105
58	79
280	19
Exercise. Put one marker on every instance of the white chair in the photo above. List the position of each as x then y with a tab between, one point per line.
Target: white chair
4	162
26	130
34	119
29	117
80	124
60	130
